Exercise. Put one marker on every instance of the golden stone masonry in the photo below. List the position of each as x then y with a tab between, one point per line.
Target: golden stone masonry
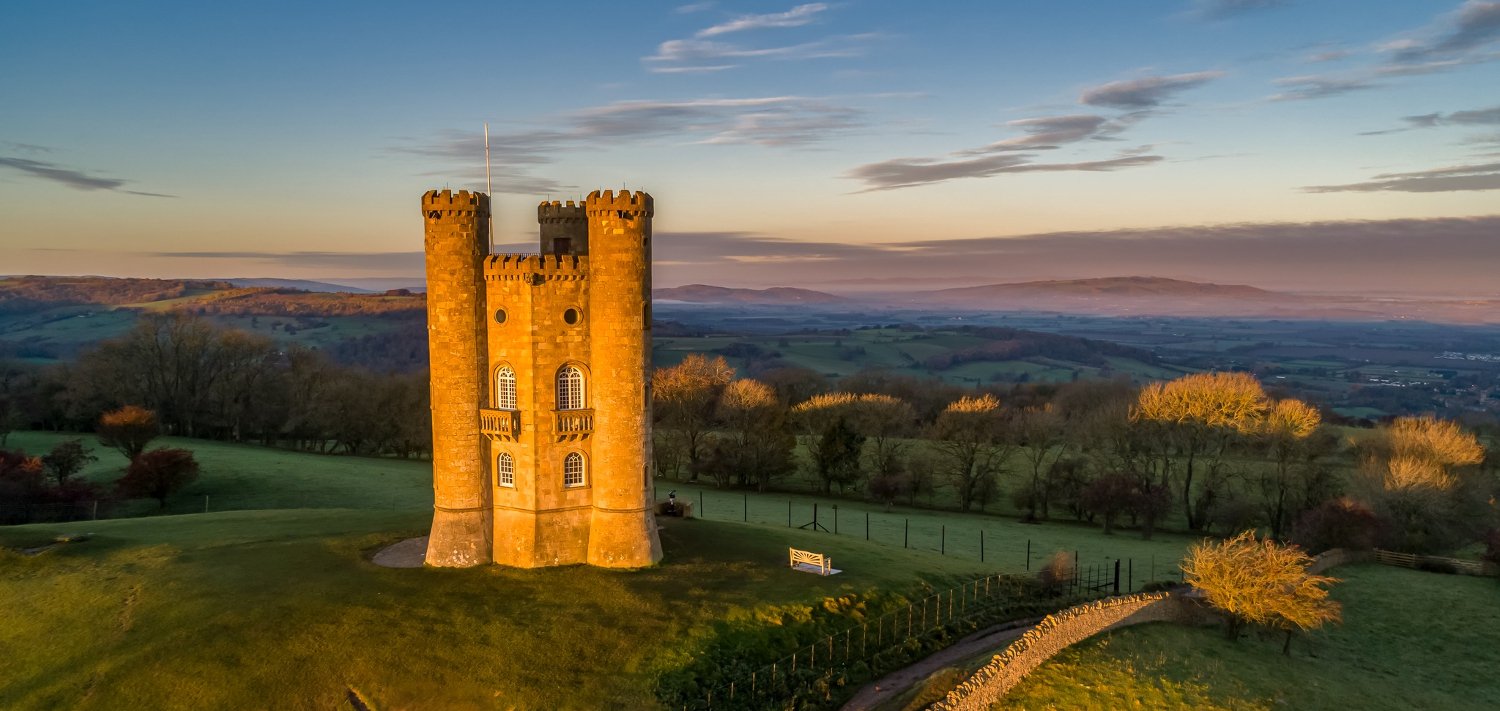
541	423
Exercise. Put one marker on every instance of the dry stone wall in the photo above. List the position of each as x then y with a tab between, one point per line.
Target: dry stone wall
1334	557
1056	633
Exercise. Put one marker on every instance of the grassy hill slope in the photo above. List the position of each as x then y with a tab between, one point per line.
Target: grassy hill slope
1410	640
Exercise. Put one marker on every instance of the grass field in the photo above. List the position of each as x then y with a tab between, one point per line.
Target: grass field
280	608
248	477
276	605
1410	640
241	476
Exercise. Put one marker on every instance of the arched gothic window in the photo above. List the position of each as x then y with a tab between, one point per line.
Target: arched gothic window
505	388
505	470
573	469
570	388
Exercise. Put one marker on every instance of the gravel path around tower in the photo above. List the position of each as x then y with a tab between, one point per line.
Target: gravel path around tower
410	553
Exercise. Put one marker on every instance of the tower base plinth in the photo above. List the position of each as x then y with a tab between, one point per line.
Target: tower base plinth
459	539
624	539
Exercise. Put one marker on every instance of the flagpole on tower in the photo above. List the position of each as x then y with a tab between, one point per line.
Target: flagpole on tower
489	187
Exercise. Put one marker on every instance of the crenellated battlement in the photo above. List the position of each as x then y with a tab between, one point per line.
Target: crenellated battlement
501	267
623	201
557	211
449	201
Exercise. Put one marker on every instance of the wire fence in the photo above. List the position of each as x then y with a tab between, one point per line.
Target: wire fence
924	532
816	674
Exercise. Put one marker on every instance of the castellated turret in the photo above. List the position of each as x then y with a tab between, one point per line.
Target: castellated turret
457	234
541	420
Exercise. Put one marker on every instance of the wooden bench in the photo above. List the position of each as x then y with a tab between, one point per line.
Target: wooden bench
809	562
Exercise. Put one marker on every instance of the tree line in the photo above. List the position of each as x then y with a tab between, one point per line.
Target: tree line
205	381
1210	452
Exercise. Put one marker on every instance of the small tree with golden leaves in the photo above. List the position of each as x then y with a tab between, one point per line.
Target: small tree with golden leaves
1261	582
128	429
1419	473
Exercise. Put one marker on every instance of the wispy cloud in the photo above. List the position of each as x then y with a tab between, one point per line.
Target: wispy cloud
1475	117
1328	55
691	8
911	172
28	148
795	17
1222	9
1464	37
704	52
773	121
76	179
1141	98
1475	25
699	55
1144	93
1319	86
1456	178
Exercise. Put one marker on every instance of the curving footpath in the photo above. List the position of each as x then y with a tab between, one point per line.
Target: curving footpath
872	695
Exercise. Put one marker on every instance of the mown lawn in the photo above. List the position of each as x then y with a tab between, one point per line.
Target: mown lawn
1410	640
239	476
243	476
281	609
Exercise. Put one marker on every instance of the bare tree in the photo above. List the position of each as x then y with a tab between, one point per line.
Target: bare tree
1194	420
684	396
969	440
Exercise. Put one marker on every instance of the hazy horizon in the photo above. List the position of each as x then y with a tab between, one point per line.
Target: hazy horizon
1290	145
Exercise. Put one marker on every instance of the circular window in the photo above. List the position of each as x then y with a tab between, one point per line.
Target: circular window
499	315
571	316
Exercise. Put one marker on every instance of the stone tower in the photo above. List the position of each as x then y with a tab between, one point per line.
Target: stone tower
540	402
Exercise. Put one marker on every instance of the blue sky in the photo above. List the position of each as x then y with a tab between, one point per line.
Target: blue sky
1337	144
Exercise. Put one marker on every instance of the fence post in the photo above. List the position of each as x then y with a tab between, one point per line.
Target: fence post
702	510
981	545
745	501
943	540
1117	576
867	525
1130	575
835	519
1028	554
906	534
96	509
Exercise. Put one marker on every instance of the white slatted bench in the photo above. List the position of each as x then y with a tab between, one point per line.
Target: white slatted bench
809	562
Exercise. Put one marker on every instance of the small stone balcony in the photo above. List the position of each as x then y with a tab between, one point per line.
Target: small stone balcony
574	424
499	424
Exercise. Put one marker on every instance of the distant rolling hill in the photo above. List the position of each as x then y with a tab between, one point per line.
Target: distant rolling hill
302	284
54	318
1159	296
1110	287
774	296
